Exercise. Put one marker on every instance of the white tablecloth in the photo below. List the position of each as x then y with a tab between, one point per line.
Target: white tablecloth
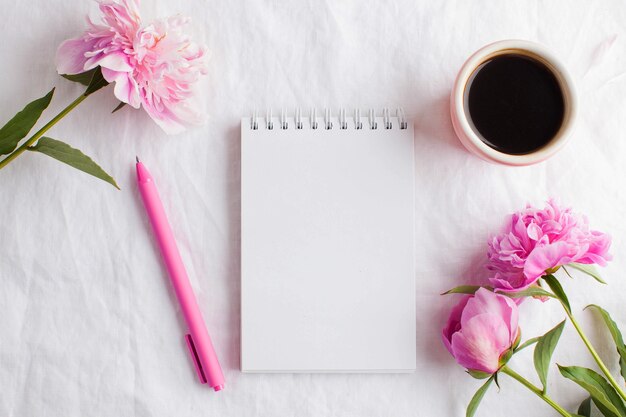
88	324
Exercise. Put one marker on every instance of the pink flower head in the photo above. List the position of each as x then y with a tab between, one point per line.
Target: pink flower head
155	66
538	240
481	329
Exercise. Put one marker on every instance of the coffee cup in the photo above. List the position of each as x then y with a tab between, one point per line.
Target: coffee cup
513	103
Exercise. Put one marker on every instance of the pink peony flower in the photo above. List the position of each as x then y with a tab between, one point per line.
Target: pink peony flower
481	329
155	66
536	241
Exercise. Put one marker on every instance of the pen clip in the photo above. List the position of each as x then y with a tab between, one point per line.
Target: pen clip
195	359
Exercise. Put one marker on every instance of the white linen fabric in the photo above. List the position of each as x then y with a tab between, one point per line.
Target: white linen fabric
88	323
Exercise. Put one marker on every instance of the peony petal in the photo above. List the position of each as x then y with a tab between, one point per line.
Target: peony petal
164	118
124	89
510	306
598	250
481	342
519	231
501	284
513	280
115	61
488	302
534	231
172	118
546	257
122	17
454	323
70	57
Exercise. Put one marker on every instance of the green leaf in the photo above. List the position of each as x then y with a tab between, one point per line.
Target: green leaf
84	77
478	374
543	352
19	126
63	152
119	107
589	270
517	341
96	83
465	289
527	343
529	292
505	357
567	272
602	393
556	288
615	334
495	379
584	409
473	405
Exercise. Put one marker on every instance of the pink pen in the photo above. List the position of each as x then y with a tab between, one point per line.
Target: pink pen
198	340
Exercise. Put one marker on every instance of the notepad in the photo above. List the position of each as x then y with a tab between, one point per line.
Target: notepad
327	243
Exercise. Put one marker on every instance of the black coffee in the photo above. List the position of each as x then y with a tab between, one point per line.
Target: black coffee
515	103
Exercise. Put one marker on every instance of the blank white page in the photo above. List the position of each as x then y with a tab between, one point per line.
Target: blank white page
327	250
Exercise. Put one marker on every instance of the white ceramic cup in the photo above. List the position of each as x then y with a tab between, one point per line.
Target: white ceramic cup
459	113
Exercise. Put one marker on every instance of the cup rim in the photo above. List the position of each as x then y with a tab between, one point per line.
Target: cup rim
470	138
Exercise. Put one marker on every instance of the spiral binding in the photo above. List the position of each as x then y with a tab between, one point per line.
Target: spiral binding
283	122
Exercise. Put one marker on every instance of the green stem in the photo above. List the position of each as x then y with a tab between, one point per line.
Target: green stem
41	131
506	370
594	354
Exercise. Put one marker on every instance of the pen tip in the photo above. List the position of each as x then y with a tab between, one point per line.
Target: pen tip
137	158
